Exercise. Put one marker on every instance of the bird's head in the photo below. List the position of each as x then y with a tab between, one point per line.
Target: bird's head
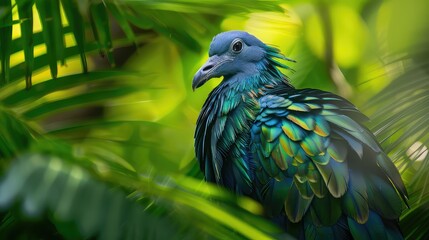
232	53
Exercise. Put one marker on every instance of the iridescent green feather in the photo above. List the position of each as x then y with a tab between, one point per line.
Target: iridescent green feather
336	177
303	186
373	228
315	181
293	131
321	159
300	107
275	195
270	133
296	205
326	211
390	170
313	144
288	146
382	197
354	129
321	126
318	187
337	150
355	201
281	158
304	121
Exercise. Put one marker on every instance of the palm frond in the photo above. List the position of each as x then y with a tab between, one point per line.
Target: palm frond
80	175
166	207
43	183
401	122
62	17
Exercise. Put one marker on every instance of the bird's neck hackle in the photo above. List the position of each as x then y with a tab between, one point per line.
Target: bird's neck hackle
268	73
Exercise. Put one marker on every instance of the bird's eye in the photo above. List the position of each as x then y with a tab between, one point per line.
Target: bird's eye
237	46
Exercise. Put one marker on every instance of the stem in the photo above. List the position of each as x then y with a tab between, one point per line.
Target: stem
337	77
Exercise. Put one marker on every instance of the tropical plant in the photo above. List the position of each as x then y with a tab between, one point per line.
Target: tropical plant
68	168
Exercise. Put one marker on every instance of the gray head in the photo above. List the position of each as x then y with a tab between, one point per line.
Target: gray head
231	53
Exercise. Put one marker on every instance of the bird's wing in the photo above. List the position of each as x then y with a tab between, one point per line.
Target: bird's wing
314	159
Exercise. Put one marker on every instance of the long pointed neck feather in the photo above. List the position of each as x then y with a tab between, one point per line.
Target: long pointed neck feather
222	134
268	73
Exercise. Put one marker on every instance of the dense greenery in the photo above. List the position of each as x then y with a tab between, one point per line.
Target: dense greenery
101	145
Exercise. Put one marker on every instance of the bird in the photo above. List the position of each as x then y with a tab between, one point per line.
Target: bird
304	154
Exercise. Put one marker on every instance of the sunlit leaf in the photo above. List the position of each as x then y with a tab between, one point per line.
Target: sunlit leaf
49	28
5	40
26	14
49	184
44	88
101	29
76	22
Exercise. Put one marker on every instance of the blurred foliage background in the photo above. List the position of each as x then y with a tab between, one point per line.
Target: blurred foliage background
97	114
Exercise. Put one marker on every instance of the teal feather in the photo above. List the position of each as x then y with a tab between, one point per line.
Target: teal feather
373	228
293	131
296	205
337	150
268	148
344	122
313	106
304	121
392	173
322	159
301	156
353	143
300	107
310	98
275	196
383	197
355	201
355	130
288	146
303	187
318	187
336	176
325	211
339	230
274	170
272	122
270	133
313	144
281	158
392	230
321	126
243	170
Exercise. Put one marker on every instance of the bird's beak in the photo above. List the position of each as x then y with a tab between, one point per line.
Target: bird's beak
208	70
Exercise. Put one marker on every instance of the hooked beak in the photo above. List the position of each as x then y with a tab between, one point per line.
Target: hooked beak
208	70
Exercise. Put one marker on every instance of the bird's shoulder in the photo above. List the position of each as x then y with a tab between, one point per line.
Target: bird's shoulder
309	100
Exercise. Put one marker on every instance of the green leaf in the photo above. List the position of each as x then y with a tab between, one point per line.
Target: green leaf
79	100
26	15
49	184
101	29
76	23
15	135
53	85
122	21
5	40
48	25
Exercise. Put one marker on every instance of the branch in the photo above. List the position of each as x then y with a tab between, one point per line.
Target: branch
337	77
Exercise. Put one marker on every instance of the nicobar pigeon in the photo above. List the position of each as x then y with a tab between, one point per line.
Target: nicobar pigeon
304	154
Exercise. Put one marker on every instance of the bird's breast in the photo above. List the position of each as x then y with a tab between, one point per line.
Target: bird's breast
222	138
